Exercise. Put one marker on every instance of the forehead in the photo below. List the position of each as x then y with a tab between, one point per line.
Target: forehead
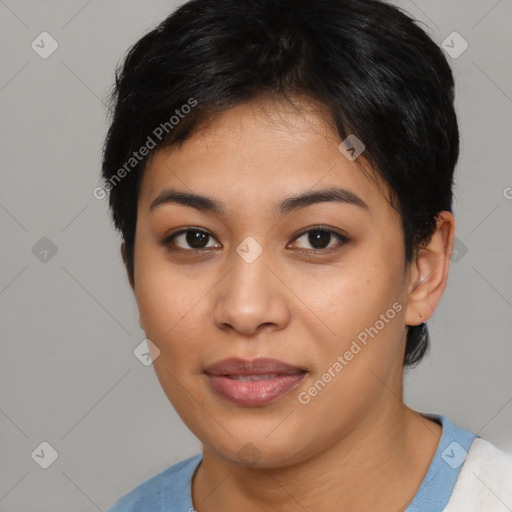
257	154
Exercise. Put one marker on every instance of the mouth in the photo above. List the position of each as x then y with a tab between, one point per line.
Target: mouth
253	383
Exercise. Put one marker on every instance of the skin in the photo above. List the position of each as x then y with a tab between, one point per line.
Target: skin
355	446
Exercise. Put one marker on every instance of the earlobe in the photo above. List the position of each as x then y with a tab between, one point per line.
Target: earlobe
429	272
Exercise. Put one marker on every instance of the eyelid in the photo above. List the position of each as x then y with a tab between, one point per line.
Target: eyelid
319	227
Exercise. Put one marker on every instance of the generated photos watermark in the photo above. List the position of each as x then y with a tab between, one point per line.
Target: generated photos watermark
158	133
304	397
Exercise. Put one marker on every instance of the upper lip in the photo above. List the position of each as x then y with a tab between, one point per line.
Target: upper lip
260	366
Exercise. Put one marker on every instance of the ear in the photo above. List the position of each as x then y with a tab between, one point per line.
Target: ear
429	272
123	254
130	280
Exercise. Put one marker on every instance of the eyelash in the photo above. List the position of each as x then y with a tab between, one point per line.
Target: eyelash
342	240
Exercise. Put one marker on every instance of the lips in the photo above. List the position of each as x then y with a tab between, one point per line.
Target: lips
253	383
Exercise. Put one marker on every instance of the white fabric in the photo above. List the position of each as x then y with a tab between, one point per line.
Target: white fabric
485	481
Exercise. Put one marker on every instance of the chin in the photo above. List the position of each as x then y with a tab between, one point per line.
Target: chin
257	450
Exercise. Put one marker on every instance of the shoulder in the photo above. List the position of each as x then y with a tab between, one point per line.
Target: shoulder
485	480
172	484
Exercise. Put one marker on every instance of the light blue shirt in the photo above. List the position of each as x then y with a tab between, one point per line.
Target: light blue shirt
170	490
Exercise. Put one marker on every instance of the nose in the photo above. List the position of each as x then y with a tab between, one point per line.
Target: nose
251	297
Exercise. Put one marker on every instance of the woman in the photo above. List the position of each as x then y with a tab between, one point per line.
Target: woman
281	174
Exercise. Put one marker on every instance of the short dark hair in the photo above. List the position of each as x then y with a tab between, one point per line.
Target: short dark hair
378	73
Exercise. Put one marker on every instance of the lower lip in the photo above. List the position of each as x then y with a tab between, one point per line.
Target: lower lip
257	392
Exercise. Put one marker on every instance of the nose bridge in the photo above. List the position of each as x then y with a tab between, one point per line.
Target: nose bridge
249	275
250	295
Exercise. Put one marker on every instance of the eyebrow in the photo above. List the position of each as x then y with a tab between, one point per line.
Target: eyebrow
208	204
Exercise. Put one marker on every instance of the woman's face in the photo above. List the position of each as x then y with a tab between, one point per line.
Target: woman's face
318	286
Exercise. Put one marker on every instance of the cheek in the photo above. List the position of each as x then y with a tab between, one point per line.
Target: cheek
344	299
359	339
169	302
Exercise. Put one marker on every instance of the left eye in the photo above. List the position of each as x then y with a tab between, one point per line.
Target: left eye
321	238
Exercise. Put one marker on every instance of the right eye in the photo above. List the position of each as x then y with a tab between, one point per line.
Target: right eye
196	239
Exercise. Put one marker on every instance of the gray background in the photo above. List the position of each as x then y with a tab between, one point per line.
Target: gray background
68	375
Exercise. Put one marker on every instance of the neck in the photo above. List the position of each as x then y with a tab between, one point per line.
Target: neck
389	452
